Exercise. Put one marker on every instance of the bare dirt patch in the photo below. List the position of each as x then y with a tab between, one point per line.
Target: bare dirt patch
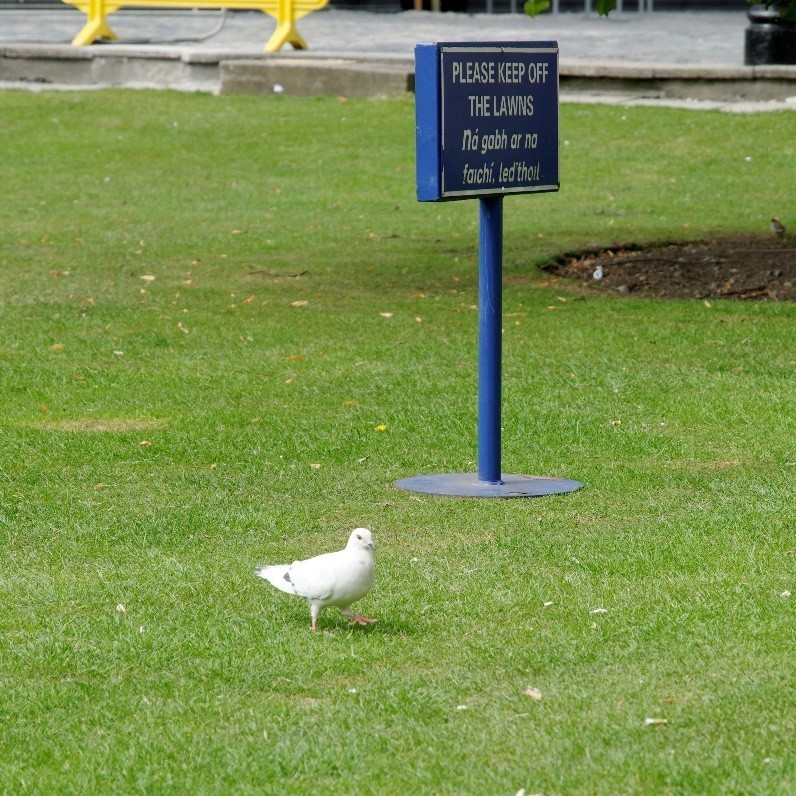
738	267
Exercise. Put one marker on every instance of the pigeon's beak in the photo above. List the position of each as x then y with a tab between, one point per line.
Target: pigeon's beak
372	546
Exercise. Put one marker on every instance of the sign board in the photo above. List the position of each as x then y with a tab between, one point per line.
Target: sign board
487	119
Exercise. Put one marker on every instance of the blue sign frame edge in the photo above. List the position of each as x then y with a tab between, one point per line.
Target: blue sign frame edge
427	121
428	109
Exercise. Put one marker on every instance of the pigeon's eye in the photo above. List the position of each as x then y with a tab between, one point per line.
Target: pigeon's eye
359	536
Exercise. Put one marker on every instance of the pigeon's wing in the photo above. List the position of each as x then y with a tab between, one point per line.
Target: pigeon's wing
316	578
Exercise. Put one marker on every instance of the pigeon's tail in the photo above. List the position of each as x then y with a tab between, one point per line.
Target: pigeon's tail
278	576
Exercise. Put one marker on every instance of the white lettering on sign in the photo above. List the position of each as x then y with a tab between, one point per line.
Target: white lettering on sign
537	73
501	105
512	105
519	170
477	176
473	72
507	72
511	71
480	105
472	141
492	141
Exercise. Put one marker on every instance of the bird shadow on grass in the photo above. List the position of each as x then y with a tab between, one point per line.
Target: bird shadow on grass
339	626
384	627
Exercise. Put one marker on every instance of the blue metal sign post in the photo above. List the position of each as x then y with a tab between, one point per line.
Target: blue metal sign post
490	332
487	126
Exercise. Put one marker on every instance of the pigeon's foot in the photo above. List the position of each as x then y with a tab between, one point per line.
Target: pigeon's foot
356	619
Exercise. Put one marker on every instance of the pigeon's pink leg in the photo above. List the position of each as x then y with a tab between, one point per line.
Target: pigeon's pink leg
314	611
356	619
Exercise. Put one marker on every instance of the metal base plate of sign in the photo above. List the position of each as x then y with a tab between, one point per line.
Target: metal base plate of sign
470	485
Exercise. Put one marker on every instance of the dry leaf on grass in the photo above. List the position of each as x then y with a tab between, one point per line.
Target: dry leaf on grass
533	693
300	303
652	722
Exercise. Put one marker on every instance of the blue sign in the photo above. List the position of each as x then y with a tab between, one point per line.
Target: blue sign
487	126
487	119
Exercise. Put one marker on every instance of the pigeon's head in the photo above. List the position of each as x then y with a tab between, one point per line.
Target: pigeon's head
361	539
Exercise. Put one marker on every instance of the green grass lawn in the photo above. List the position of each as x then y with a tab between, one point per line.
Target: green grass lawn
226	326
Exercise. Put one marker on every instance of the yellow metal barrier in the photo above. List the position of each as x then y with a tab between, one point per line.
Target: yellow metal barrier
286	12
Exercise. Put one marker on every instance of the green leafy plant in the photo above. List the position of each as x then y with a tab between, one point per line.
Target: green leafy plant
534	7
786	8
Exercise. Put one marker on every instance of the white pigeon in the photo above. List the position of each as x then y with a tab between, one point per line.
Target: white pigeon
337	579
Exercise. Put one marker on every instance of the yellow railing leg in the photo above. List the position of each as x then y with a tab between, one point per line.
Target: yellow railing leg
285	32
97	26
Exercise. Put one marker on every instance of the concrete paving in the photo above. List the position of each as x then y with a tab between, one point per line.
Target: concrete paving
709	38
629	57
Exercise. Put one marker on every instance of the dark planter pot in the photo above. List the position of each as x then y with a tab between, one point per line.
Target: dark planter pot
769	38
